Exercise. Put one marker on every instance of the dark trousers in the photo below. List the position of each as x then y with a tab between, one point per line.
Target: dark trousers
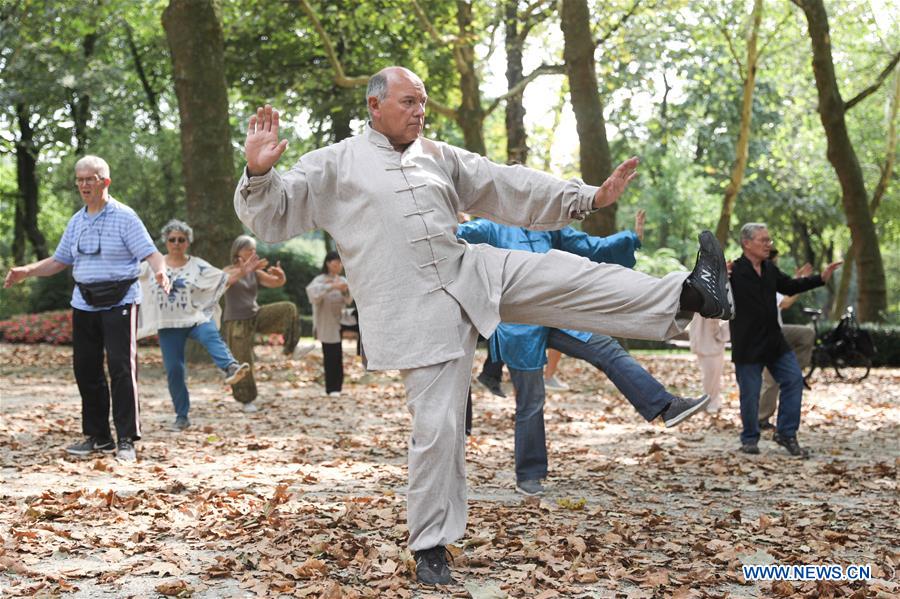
112	331
786	371
334	366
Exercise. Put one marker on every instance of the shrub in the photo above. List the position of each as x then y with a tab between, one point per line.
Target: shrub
887	343
299	267
47	327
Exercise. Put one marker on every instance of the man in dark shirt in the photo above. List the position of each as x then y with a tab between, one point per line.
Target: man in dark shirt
757	341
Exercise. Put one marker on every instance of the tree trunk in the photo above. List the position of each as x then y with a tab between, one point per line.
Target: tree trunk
743	143
80	104
887	170
27	207
842	156
470	113
194	32
516	138
596	163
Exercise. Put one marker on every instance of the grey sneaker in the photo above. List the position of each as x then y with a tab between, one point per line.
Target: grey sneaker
181	423
554	384
125	451
92	445
302	349
790	443
710	279
236	372
249	408
682	408
431	566
530	487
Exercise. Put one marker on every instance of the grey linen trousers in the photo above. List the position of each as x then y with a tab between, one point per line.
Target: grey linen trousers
556	289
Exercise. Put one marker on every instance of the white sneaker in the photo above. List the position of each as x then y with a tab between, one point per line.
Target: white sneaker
249	408
302	349
553	384
334	394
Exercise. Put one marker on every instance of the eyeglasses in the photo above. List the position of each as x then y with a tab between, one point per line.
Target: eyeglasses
176	240
89	181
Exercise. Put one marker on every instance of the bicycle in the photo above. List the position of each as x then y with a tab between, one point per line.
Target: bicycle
847	348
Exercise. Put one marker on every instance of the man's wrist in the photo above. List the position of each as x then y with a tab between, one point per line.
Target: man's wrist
256	172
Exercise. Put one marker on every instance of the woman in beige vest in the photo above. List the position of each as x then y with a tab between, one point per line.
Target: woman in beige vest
329	294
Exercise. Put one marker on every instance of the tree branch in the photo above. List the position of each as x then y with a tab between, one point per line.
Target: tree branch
759	55
519	88
340	79
601	40
874	87
432	32
731	50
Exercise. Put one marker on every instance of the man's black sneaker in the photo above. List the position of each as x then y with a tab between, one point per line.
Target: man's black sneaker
751	448
682	408
431	566
766	425
710	279
92	445
236	372
491	384
790	443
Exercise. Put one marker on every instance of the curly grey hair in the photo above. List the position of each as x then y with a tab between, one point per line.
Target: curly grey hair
242	241
177	225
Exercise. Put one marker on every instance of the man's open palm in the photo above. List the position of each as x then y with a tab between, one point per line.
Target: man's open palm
262	147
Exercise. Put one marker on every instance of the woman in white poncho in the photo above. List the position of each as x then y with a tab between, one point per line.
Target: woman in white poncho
187	311
329	294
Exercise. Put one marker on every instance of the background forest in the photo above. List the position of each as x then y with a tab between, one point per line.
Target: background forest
778	111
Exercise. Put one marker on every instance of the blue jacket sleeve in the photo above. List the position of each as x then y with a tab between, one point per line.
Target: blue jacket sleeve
477	231
615	249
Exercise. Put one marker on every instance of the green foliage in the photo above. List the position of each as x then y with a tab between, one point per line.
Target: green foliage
887	344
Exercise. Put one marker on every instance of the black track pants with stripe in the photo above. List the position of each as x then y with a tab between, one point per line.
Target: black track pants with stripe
111	331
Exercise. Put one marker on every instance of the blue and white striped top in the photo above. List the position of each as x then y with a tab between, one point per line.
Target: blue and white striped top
107	246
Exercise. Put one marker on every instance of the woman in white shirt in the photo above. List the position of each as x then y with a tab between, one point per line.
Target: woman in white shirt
187	311
329	294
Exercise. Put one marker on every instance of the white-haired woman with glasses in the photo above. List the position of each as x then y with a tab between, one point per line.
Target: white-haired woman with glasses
188	310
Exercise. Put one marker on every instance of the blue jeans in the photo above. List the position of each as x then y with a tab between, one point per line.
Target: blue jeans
172	342
786	371
643	391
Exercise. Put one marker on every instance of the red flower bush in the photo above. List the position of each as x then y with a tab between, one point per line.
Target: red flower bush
46	327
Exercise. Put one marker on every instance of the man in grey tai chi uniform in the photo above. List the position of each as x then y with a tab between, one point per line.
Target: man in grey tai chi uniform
389	198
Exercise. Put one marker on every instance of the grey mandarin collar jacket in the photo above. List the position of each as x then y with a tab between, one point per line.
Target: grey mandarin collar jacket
393	217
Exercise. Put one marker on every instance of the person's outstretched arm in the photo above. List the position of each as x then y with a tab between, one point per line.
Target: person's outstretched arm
43	268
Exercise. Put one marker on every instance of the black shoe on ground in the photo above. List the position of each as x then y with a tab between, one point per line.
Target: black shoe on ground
751	448
491	384
790	443
92	445
431	566
682	408
766	425
710	279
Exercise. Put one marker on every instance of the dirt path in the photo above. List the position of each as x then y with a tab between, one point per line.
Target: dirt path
305	498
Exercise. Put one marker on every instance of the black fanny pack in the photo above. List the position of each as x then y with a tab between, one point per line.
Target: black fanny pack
105	294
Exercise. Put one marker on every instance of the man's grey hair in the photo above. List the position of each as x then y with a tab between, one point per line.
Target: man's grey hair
749	230
242	241
93	163
378	86
177	225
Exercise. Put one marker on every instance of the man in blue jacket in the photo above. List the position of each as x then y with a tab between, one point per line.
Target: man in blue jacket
523	347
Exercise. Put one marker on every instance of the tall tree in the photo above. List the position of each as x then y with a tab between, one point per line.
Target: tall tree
596	160
27	204
842	156
194	32
742	150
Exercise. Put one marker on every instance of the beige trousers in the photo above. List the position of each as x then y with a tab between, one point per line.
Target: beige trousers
711	368
801	338
556	289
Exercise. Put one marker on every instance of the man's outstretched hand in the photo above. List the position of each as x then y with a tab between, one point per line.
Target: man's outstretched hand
613	187
262	147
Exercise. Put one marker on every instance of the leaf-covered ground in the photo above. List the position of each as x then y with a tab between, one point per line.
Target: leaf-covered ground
306	497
